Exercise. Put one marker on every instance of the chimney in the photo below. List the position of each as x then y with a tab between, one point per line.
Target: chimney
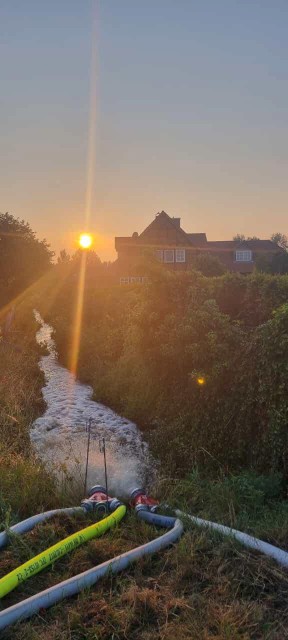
176	221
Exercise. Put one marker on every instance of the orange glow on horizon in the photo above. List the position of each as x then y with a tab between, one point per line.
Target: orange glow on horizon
104	245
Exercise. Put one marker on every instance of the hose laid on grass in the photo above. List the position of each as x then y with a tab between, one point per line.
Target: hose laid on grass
72	586
47	557
30	523
251	542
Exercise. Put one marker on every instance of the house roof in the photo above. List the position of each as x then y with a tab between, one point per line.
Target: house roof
197	239
125	239
233	245
164	230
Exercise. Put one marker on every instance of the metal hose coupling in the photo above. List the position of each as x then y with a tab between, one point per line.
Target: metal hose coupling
99	502
141	502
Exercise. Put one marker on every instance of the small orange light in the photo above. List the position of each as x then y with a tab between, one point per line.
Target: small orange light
201	380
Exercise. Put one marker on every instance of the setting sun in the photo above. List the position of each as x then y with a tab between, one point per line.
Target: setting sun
85	240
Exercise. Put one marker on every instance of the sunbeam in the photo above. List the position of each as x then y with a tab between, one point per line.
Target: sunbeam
44	289
91	150
78	315
91	157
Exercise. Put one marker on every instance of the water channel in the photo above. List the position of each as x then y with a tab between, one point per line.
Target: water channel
60	434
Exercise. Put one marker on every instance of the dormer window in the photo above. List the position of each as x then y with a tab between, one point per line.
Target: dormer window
244	255
180	255
168	255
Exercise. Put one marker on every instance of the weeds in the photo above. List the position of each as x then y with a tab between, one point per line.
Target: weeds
197	589
205	587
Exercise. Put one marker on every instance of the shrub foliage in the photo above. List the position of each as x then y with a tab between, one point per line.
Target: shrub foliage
145	347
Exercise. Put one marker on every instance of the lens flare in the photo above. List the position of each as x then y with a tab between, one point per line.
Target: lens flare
85	240
77	326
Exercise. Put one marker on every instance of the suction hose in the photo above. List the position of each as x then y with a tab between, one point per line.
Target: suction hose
30	523
47	557
87	579
251	542
142	503
97	501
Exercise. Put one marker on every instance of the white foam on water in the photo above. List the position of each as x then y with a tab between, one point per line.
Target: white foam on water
60	435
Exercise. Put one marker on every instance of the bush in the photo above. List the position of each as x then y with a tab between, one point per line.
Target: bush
208	265
144	349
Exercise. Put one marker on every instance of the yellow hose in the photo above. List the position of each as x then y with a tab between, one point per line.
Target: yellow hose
47	557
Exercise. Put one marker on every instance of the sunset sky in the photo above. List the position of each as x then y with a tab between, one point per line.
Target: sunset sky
144	105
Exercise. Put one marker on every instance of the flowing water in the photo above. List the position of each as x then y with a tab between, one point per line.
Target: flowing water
60	435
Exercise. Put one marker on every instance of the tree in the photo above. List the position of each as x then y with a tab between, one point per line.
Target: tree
241	238
276	264
23	258
263	263
279	263
92	258
280	239
63	257
208	265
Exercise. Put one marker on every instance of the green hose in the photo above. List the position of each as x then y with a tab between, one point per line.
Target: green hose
47	557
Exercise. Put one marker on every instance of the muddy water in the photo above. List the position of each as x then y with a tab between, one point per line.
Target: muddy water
60	435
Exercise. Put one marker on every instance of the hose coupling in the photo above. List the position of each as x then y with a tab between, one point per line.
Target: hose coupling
99	501
141	502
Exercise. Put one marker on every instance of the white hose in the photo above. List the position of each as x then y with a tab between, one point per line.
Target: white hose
72	586
30	523
277	554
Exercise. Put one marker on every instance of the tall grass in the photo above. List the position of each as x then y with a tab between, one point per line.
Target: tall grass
24	483
204	587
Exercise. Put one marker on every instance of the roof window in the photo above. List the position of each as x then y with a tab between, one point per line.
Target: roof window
244	256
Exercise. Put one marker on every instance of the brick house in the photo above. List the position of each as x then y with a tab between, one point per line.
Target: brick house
172	246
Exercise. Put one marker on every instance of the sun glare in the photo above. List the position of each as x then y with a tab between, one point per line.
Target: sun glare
85	240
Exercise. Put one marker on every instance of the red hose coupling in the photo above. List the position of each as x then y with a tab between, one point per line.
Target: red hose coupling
141	502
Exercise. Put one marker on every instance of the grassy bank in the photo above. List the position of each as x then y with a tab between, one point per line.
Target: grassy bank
205	587
25	486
